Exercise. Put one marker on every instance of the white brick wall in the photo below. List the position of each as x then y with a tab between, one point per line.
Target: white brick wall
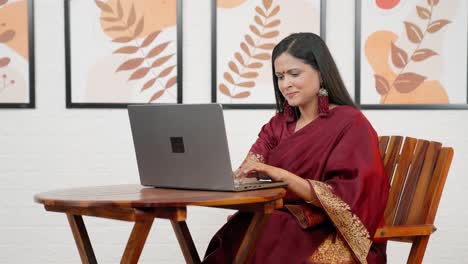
51	147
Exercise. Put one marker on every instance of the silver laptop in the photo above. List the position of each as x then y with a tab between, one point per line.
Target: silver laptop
185	146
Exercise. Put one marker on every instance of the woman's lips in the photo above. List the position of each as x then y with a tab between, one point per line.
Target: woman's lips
291	94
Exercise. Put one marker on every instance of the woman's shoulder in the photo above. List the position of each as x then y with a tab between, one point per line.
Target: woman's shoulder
351	116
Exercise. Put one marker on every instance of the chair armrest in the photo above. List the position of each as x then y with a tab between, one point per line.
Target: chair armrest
404	231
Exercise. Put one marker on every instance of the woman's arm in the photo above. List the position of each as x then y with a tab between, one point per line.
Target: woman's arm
301	187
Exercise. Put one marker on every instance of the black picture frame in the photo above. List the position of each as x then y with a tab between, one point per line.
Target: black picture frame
31	57
214	44
68	69
357	94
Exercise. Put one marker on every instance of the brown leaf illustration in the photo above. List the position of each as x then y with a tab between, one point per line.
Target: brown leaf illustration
2	2
4	61
254	65
408	81
7	36
123	39
255	30
150	38
260	11
413	32
130	64
246	84
110	19
161	61
267	4
239	58
157	95
381	84
423	13
274	11
233	67
273	23
171	82
103	6
158	49
148	84
271	34
432	2
245	48
267	46
166	71
127	50
139	27
242	95
437	25
249	40
262	56
399	56
119	9
228	77
223	89
115	28
259	21
140	73
131	17
422	54
249	75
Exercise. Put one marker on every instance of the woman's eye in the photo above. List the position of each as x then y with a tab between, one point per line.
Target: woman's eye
295	74
280	77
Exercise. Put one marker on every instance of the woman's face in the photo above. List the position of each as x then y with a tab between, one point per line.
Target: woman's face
298	82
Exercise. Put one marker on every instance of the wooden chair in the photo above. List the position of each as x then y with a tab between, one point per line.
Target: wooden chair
417	174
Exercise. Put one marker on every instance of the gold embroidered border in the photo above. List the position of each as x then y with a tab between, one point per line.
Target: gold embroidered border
349	225
256	157
297	212
332	250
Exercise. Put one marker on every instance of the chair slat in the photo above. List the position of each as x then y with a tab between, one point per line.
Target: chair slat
411	181
417	209
399	179
392	155
383	142
437	184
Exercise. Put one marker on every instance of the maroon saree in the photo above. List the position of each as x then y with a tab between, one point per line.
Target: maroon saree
339	156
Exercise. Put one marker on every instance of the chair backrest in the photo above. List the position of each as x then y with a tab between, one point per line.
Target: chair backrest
417	170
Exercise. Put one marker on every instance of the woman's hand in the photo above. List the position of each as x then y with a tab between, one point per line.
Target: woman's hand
257	169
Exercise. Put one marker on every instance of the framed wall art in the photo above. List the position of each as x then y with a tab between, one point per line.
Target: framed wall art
244	33
17	79
411	54
124	52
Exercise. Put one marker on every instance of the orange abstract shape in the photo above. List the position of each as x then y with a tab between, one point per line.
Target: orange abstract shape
128	19
387	4
229	3
15	18
378	51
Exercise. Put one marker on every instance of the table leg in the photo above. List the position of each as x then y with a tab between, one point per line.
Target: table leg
185	242
254	231
137	240
82	239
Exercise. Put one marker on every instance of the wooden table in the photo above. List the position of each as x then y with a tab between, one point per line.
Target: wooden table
141	205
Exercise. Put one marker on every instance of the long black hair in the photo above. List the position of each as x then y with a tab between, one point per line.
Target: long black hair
312	50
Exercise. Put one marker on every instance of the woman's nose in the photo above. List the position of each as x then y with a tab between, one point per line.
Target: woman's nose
286	83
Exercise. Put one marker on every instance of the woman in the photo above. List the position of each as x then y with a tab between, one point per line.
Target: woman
327	152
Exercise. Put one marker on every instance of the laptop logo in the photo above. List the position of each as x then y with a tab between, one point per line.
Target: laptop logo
177	144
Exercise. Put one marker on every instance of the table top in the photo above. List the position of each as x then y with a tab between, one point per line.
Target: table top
138	196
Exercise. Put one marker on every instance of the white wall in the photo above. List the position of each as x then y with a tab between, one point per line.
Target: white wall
51	147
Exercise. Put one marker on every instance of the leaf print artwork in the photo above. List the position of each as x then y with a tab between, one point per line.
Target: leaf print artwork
147	61
15	67
255	50
400	82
